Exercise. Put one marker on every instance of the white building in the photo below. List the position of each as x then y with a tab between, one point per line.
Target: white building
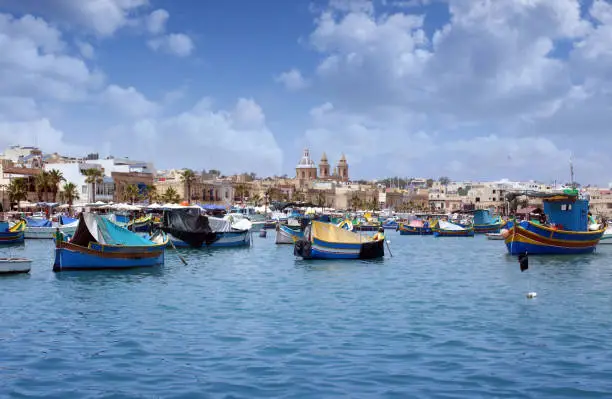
73	173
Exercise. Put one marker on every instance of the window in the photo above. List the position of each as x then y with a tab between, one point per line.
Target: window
493	191
84	189
477	199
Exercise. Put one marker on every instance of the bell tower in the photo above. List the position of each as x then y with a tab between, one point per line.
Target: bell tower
324	167
343	169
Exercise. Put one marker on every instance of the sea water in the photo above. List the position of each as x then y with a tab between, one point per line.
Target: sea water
442	318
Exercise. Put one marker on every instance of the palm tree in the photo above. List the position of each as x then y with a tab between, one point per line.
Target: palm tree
18	190
151	193
131	192
54	178
273	194
93	176
298	196
188	177
242	191
255	199
41	183
70	194
356	202
171	196
320	198
444	181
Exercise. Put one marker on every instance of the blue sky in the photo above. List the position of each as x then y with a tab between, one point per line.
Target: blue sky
469	89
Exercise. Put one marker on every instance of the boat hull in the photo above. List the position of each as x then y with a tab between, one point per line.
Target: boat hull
47	232
535	239
15	265
320	249
285	235
227	239
8	238
487	228
96	257
390	226
414	231
453	233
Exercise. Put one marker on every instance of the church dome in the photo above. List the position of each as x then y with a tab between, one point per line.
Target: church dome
306	162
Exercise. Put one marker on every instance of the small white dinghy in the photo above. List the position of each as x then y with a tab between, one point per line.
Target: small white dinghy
495	236
15	265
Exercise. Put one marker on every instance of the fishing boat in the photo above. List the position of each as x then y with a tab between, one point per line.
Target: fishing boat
99	243
191	229
45	229
390	224
494	236
443	228
415	227
142	224
328	241
12	234
15	265
346	224
606	238
288	235
566	229
484	222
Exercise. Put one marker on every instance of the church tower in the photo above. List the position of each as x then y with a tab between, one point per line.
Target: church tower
324	167
343	169
306	169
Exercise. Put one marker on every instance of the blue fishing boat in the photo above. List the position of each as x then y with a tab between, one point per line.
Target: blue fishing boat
566	229
12	235
328	241
443	228
390	224
188	228
288	235
98	243
415	228
484	222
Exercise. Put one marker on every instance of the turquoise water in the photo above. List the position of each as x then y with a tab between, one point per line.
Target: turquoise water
442	318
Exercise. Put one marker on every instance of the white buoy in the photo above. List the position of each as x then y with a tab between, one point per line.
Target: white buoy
531	295
388	241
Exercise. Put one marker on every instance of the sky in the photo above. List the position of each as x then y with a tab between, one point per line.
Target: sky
473	90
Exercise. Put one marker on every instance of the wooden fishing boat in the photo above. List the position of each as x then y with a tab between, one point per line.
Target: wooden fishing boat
288	235
415	227
15	265
328	241
345	224
45	229
142	224
606	238
495	236
484	222
12	235
390	224
566	231
188	229
443	228
98	243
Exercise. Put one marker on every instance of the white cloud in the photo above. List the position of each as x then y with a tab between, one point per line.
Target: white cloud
87	50
128	101
156	21
177	44
233	141
292	80
101	17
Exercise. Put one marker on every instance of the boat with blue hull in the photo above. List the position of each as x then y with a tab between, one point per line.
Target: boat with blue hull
390	224
485	222
98	244
566	231
328	241
12	235
288	235
443	228
415	228
191	229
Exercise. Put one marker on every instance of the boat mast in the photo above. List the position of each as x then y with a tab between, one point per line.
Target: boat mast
571	162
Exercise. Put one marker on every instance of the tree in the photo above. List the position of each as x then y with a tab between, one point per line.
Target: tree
242	191
356	202
151	193
214	172
54	177
70	193
273	194
299	196
320	198
255	199
131	192
430	183
463	191
41	184
18	191
444	181
93	177
171	196
188	177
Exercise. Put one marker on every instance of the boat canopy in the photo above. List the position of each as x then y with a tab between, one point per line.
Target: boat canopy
67	220
417	223
444	225
97	229
571	215
334	234
38	222
194	229
484	216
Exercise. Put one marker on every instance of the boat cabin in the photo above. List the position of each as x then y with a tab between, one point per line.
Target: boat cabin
567	212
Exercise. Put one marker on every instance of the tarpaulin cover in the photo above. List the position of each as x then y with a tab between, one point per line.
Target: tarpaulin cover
444	225
38	222
67	220
192	229
334	234
417	223
95	228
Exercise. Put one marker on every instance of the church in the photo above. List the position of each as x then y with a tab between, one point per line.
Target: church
306	170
